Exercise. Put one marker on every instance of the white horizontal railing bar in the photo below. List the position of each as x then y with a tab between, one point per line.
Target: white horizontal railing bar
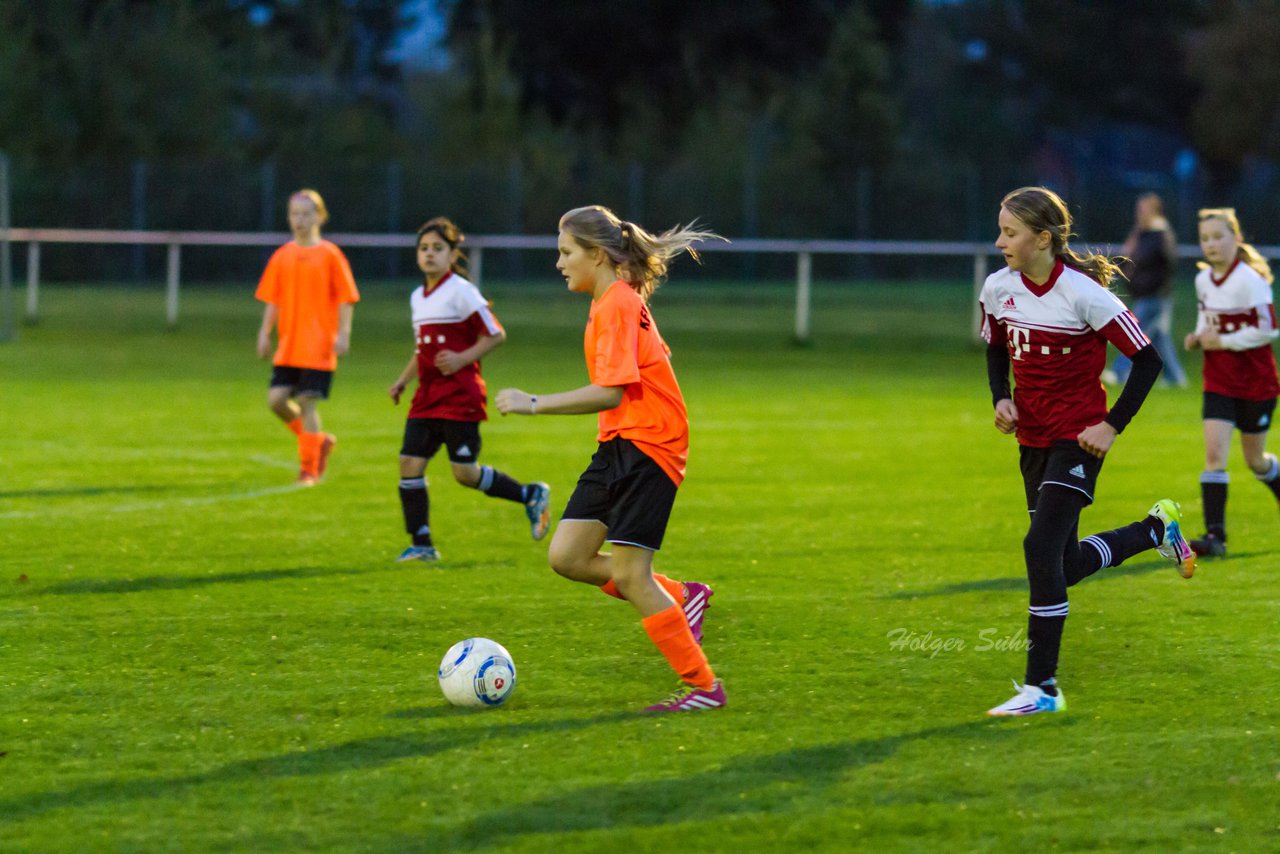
526	241
804	250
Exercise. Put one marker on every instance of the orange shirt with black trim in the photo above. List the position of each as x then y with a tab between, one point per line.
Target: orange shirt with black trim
307	284
623	348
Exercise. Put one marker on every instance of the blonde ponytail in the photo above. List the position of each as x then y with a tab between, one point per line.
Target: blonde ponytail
642	258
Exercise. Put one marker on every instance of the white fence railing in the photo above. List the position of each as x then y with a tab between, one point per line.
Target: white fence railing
803	250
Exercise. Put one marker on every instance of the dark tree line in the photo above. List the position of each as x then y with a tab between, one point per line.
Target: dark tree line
828	85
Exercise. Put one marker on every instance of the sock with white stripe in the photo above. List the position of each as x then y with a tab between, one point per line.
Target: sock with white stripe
416	506
1213	495
1271	477
495	484
1112	548
1044	637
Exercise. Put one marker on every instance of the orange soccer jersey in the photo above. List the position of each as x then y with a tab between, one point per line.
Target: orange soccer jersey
307	284
623	348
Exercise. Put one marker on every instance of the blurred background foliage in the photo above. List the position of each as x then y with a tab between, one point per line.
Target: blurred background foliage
895	119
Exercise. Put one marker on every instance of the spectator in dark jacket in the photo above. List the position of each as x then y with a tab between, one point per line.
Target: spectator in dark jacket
1152	250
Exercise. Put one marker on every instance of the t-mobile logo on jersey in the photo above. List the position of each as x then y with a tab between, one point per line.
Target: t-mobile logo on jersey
1019	341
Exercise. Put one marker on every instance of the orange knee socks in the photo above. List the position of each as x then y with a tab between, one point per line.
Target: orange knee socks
673	587
669	631
309	451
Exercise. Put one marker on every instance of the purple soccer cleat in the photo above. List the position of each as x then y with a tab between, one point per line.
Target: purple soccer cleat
696	602
691	698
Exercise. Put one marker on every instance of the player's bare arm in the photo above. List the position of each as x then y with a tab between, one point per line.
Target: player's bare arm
342	344
589	398
402	382
269	316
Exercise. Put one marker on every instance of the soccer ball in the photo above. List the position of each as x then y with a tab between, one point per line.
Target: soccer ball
477	672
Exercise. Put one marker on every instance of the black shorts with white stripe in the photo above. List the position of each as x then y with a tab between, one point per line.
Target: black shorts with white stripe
1063	464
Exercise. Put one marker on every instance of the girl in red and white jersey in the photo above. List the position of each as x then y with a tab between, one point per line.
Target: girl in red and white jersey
1050	316
1236	325
454	328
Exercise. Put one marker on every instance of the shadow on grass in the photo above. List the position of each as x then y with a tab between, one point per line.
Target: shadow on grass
185	582
987	585
351	756
85	491
743	785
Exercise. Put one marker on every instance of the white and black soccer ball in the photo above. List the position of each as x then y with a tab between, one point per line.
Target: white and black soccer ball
478	673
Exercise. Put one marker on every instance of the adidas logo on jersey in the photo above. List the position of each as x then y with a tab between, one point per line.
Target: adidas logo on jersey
1077	471
1008	305
465	451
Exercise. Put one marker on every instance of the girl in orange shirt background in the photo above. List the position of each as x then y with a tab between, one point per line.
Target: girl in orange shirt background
310	293
626	494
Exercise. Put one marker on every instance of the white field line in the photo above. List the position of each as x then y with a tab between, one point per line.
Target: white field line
274	462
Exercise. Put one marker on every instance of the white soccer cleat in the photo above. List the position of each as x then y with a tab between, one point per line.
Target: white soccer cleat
1030	700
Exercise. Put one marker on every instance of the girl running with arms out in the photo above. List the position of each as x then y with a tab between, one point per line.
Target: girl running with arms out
1050	316
626	494
454	328
1235	328
310	294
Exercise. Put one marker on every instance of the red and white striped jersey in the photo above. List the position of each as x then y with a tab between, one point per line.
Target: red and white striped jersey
452	316
1240	307
1057	336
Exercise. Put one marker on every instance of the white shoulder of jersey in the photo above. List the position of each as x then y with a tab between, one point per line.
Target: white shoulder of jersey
453	301
1095	304
1257	288
994	282
1087	287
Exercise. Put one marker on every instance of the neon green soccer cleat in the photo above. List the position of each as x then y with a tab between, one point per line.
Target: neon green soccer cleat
1174	546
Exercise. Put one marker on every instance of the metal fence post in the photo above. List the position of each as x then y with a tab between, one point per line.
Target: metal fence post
6	263
33	281
477	264
804	275
979	278
171	290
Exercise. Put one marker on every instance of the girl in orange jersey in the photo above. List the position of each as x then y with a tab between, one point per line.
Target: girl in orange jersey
310	293
626	494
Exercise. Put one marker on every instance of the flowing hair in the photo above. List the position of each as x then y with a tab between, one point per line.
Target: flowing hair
642	258
1041	209
1244	251
451	235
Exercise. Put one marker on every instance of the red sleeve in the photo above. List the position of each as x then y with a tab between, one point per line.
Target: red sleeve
1125	333
993	331
483	323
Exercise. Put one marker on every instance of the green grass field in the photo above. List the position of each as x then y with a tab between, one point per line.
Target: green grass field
194	655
